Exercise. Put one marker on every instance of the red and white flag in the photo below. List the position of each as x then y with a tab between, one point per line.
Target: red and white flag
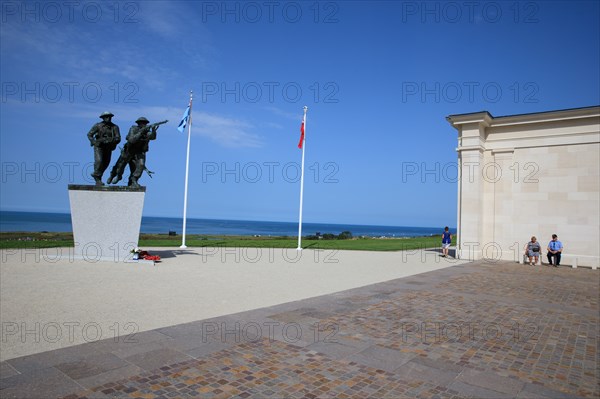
301	142
301	146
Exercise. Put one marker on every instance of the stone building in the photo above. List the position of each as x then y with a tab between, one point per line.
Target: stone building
529	175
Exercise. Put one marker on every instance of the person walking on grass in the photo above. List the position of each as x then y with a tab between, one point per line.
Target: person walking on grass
446	241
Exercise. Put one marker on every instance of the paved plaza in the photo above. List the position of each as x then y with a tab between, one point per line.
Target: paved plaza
478	330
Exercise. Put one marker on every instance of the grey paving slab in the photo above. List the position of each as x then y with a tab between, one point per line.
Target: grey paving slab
414	370
154	359
48	359
6	370
295	316
487	380
437	364
294	306
222	329
417	282
124	351
340	349
536	391
473	391
127	341
110	375
38	383
381	358
257	315
240	329
297	334
98	395
206	350
187	329
318	314
91	365
185	342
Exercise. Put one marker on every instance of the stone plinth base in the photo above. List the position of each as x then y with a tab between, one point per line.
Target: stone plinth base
106	221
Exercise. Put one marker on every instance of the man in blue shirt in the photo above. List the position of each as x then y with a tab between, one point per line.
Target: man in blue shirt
555	248
446	241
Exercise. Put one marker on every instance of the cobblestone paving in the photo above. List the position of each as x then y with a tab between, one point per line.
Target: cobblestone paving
473	331
553	348
270	370
537	283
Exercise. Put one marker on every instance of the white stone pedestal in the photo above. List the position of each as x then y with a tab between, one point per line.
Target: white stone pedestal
106	221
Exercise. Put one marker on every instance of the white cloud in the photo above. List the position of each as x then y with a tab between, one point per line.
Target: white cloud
142	52
225	131
285	114
271	125
164	18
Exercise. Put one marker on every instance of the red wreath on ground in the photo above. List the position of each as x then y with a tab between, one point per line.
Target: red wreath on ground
146	256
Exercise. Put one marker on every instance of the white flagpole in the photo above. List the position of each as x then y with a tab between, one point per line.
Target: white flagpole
187	171
302	182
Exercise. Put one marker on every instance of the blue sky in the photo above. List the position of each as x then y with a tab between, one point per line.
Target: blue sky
379	78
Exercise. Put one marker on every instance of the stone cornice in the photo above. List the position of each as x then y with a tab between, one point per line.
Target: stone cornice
488	120
470	148
483	117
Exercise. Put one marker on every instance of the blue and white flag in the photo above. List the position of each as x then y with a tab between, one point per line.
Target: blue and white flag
184	120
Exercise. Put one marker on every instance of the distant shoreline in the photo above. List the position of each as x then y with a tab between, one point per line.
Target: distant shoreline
34	234
18	221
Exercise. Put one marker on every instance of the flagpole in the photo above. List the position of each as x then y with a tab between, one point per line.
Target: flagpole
302	182
187	171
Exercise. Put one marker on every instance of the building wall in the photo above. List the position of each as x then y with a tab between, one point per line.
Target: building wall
524	175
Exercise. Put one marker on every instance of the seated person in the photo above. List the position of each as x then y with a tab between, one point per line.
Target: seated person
555	248
532	250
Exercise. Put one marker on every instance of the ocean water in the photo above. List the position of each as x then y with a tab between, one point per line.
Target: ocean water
61	222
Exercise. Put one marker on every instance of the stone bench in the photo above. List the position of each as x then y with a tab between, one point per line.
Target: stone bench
575	259
572	259
525	260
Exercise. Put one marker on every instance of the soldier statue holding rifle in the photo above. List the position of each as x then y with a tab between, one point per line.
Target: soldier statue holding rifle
104	137
134	152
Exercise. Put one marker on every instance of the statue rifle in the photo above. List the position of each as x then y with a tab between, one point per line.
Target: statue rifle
153	125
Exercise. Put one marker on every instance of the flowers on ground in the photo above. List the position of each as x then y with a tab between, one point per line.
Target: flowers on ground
138	253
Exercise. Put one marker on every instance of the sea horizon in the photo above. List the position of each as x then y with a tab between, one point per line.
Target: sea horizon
23	221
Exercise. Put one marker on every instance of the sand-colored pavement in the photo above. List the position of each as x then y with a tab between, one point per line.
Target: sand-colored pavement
49	300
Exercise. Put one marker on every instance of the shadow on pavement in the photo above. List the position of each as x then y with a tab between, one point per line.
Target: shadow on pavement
451	251
173	253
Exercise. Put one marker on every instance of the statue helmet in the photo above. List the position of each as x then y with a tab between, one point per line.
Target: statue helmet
106	113
142	119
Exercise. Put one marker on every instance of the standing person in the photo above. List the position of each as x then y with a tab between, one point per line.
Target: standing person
104	137
555	248
134	152
532	250
446	241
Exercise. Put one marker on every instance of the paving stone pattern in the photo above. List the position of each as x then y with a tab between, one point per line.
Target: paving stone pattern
479	330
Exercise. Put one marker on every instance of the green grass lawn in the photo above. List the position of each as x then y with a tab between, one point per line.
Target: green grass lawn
49	240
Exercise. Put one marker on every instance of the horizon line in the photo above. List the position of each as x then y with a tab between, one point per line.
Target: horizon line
244	220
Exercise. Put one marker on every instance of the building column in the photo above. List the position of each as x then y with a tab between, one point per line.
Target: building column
470	213
470	207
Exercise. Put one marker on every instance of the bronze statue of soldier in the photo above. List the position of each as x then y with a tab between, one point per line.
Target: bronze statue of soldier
134	152
104	137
